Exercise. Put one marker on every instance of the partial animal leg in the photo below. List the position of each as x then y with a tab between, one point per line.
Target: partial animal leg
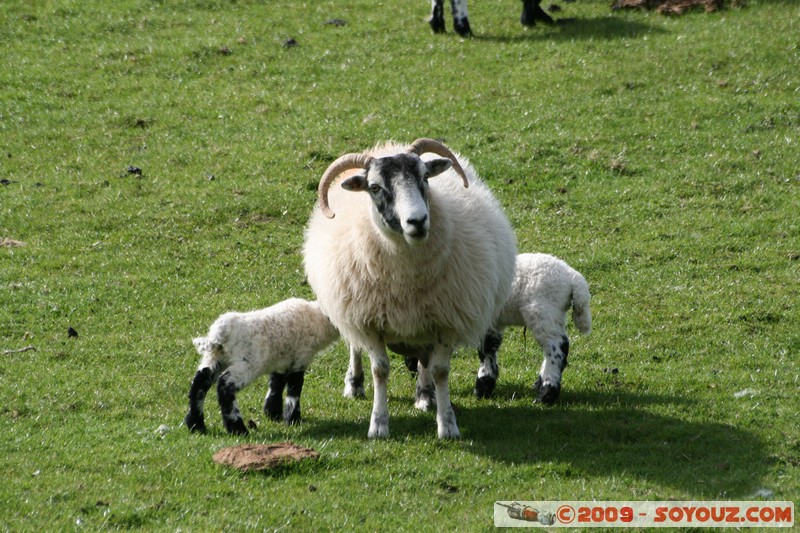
437	16
548	384
460	17
354	379
273	404
379	421
203	379
294	387
425	396
531	12
439	366
488	371
230	382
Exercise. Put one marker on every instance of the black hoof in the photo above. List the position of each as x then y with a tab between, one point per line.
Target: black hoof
196	424
437	26
484	387
462	28
273	408
546	394
292	415
236	427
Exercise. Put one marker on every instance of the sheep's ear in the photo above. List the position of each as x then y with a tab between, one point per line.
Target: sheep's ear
356	183
437	166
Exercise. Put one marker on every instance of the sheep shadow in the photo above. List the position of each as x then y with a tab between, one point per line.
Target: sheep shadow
608	433
569	29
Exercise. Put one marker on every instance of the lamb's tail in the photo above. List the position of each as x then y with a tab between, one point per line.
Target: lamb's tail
581	314
211	346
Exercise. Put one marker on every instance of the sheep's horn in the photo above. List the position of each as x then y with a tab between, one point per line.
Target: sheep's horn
421	146
346	162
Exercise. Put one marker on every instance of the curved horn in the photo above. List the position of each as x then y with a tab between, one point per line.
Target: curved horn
421	146
346	162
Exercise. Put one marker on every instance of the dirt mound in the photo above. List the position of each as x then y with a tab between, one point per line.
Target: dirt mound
672	7
247	457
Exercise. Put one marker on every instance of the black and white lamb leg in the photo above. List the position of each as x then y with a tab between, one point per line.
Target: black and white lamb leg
548	384
488	371
226	394
460	17
425	395
437	16
532	11
203	379
354	378
273	403
294	388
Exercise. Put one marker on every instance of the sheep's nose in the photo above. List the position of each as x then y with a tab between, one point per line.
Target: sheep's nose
418	223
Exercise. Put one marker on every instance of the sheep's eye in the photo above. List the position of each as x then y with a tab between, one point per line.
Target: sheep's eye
375	188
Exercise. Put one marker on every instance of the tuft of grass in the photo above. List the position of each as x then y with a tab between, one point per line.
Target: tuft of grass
158	162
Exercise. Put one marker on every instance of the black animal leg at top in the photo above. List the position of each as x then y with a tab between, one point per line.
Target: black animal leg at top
437	17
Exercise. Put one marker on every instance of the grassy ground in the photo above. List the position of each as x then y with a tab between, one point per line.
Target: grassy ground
158	164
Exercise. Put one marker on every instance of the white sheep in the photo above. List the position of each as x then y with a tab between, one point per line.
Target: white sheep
408	262
282	339
543	290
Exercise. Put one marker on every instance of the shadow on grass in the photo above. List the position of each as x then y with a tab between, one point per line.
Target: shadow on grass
606	433
601	28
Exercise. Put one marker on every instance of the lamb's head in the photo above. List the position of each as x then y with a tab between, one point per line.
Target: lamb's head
397	185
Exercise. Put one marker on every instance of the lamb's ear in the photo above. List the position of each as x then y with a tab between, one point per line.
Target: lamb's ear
356	183
437	166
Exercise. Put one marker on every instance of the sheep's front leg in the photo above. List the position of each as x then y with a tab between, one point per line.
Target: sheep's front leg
294	387
203	379
379	422
354	379
273	403
440	371
488	371
548	384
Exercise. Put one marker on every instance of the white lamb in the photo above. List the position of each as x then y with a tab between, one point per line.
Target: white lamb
282	339
407	262
544	289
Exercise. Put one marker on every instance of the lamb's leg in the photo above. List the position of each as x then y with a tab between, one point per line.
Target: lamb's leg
548	384
460	17
202	381
437	16
379	421
425	396
273	404
532	11
488	371
354	379
440	371
294	387
228	385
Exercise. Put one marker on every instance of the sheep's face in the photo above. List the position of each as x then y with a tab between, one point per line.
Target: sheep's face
398	187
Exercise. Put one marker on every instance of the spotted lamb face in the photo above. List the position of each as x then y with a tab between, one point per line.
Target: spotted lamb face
398	188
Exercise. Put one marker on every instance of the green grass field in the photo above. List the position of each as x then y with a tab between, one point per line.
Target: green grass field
159	161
